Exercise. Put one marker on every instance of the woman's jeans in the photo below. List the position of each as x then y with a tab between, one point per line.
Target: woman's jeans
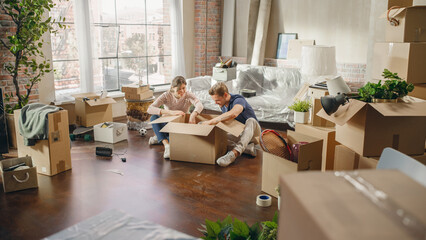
157	127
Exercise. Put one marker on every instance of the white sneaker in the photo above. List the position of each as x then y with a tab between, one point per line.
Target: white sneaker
250	150
226	159
166	151
153	140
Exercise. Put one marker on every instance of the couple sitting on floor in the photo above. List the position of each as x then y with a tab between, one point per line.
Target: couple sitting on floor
177	101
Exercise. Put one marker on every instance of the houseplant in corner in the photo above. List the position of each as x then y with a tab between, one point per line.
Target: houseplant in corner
301	110
28	64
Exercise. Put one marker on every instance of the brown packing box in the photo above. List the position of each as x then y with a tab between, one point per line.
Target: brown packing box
93	111
406	59
20	179
139	96
70	107
207	142
368	128
315	119
346	159
412	22
324	206
134	89
50	156
419	91
273	166
328	134
317	92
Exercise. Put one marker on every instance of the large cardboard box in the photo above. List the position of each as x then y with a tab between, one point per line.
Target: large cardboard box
406	59
90	109
412	22
53	155
18	179
325	206
328	135
419	91
368	128
196	142
310	156
112	132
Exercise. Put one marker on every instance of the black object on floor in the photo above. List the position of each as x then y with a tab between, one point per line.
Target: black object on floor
104	151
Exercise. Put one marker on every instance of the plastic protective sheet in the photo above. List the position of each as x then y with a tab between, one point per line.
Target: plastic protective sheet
113	225
275	89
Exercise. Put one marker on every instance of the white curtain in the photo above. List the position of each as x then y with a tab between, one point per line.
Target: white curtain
176	22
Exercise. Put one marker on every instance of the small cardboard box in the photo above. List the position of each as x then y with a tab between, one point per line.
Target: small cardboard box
112	133
139	96
310	156
224	74
90	109
328	134
53	155
196	142
406	59
324	206
412	22
70	107
317	92
18	179
368	128
134	88
419	91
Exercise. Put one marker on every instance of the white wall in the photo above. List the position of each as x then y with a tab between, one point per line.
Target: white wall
188	12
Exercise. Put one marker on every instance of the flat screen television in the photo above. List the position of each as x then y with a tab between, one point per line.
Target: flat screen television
4	145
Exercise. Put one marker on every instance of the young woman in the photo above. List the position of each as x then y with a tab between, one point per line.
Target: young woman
176	101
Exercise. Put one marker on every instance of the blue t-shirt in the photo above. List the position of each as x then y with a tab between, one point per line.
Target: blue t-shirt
245	114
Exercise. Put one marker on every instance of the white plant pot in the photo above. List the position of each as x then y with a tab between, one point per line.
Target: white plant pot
301	117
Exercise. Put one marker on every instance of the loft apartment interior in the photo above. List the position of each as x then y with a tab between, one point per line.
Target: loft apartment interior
212	119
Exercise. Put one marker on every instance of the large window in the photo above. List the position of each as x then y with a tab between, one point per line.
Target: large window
131	42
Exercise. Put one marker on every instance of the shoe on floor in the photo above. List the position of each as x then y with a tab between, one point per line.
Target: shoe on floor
226	159
166	151
251	150
153	140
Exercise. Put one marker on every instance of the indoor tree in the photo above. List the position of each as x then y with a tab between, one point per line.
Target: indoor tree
25	44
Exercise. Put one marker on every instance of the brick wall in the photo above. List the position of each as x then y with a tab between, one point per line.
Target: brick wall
207	35
6	83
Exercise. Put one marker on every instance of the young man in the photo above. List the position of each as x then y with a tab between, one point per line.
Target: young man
235	106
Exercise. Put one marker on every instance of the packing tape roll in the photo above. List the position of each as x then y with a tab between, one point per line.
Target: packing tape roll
263	200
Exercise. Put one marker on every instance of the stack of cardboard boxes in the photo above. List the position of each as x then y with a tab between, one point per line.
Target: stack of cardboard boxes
138	98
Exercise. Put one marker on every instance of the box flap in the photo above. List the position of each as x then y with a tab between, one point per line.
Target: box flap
166	119
232	126
100	101
190	129
83	95
417	109
344	113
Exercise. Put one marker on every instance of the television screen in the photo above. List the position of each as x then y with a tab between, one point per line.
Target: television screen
4	146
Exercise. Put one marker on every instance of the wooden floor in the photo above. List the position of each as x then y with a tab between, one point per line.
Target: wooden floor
178	195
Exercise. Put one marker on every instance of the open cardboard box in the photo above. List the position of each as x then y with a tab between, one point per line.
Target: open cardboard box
195	142
310	156
412	22
113	132
18	179
368	128
93	111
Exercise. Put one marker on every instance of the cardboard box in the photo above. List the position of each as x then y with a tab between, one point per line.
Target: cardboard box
328	135
368	128
406	59
315	119
224	74
134	88
139	96
317	92
310	156
195	142
412	22
53	155
323	206
18	179
419	91
112	133
94	110
70	107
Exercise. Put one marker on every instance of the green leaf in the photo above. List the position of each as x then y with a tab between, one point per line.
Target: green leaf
213	228
240	228
275	219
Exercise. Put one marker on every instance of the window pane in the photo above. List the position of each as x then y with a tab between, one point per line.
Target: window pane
64	44
130	11
105	74
157	11
67	77
159	70
106	41
132	70
63	9
159	42
103	11
132	41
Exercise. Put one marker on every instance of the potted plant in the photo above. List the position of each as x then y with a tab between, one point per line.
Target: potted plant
28	65
394	88
301	110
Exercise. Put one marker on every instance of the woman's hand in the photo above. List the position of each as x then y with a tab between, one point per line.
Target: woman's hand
177	112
